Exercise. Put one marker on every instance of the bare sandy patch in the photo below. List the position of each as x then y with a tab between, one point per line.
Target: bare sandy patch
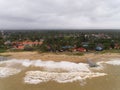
60	56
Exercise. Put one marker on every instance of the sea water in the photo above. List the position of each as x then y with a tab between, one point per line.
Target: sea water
50	75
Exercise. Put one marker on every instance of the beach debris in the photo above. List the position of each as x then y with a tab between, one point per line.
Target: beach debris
91	63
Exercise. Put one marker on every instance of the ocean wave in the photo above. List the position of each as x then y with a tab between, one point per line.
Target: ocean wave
56	69
63	65
36	77
49	65
6	72
113	62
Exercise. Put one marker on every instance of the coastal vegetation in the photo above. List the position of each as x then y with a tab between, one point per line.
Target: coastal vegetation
77	42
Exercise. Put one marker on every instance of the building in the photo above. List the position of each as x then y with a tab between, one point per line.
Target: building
22	45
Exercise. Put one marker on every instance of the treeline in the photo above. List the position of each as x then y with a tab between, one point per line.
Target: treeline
2	46
62	40
13	35
69	43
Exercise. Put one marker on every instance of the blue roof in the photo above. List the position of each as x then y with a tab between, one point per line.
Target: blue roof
98	48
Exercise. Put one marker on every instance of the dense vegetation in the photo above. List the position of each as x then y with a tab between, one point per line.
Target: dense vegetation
63	40
2	46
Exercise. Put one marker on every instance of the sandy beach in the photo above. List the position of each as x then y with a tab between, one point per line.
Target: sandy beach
34	74
60	56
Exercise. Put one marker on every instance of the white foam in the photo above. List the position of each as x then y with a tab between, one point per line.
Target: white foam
27	63
50	65
12	62
36	77
67	66
99	67
114	62
5	72
73	71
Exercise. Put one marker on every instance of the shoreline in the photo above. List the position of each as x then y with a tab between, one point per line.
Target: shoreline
60	56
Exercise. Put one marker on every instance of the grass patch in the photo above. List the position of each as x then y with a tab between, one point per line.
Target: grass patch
16	50
78	54
64	53
2	50
75	53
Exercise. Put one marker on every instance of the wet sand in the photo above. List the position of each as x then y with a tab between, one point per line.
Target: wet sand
60	56
50	73
108	82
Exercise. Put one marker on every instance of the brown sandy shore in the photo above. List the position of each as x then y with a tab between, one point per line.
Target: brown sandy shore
60	56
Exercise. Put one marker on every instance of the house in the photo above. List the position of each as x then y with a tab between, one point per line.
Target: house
81	49
68	47
117	46
99	47
21	45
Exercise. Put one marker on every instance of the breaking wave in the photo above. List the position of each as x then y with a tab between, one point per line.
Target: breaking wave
5	72
61	72
49	65
35	77
114	62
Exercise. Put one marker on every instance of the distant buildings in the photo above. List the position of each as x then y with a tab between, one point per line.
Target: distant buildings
22	45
